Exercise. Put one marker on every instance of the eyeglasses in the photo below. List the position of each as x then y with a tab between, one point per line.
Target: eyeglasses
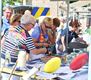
48	26
8	12
32	24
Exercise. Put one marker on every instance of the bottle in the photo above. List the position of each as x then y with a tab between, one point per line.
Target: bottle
21	59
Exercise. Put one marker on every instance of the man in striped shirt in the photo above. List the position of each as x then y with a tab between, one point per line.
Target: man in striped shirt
18	38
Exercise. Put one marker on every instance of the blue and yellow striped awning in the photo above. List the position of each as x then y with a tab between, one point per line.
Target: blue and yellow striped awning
40	11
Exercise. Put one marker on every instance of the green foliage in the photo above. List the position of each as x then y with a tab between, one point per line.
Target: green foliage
10	2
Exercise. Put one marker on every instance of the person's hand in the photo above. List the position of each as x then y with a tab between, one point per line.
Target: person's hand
64	48
46	44
49	52
44	50
60	47
27	57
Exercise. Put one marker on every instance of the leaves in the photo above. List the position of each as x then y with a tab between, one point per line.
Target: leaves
10	2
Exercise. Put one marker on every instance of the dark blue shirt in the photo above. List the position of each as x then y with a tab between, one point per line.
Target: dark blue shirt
72	35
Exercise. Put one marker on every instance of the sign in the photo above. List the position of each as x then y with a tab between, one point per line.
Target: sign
40	11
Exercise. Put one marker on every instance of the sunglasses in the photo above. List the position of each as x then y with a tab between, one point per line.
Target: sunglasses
32	24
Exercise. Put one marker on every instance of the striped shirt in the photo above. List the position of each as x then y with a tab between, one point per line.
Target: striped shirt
14	40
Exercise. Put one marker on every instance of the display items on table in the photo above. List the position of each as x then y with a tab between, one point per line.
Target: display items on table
79	61
52	65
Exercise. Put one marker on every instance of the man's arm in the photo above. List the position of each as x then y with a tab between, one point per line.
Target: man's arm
38	51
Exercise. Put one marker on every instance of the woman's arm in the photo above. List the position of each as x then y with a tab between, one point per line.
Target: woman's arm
2	41
63	42
52	37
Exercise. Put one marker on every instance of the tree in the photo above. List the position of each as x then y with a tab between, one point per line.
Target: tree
10	2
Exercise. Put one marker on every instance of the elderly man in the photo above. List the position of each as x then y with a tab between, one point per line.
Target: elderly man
6	18
19	38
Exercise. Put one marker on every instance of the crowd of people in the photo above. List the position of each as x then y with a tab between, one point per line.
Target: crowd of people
24	32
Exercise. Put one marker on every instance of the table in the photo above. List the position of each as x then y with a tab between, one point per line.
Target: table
81	74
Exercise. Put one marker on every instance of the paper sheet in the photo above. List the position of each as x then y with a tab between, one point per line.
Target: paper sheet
62	72
46	75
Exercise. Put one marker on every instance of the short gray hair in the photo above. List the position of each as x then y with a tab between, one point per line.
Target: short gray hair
8	7
27	19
